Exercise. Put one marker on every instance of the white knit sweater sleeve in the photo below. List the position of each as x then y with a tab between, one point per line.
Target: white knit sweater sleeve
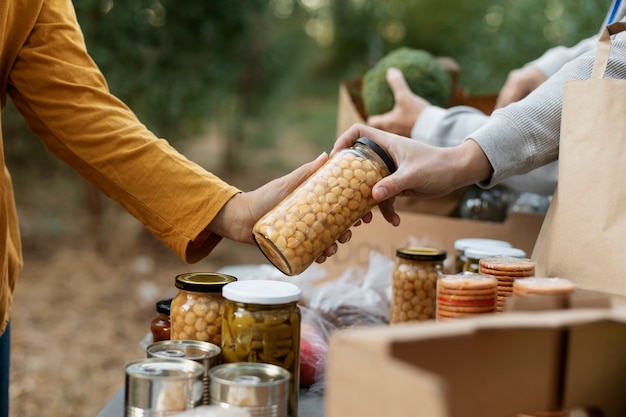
525	135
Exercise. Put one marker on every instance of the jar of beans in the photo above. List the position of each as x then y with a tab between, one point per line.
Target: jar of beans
160	325
414	284
197	309
326	205
262	324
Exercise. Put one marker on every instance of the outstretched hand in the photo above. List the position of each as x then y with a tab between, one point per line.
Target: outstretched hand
407	107
519	84
424	171
238	216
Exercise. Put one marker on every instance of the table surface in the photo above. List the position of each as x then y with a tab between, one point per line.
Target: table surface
309	405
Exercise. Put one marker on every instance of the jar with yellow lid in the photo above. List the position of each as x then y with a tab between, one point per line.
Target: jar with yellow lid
197	309
326	205
414	284
262	324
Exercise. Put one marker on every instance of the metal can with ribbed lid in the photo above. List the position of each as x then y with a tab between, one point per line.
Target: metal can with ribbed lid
262	389
298	230
414	283
262	325
205	353
196	310
157	387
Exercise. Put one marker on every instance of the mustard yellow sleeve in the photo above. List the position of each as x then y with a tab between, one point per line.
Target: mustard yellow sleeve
64	99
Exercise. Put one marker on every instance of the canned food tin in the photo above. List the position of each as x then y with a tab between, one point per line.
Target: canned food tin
261	388
326	205
157	387
205	353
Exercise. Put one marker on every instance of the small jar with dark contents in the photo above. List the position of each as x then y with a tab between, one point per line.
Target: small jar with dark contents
326	205
160	325
414	284
262	324
196	310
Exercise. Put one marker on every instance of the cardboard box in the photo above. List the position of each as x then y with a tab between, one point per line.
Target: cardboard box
493	366
419	229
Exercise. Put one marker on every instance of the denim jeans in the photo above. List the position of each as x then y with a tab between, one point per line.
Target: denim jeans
5	347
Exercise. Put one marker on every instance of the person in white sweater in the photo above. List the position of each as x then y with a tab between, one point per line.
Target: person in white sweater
414	117
515	140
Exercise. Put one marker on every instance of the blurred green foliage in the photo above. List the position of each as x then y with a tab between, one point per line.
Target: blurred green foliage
247	67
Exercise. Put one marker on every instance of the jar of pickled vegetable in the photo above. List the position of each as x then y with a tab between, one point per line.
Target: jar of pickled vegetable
197	309
326	205
160	325
262	324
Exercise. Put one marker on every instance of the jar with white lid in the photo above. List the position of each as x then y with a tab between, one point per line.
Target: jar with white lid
298	230
475	253
460	245
261	324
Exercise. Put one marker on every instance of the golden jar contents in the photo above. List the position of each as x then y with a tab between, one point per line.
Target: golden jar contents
326	205
414	284
197	309
262	324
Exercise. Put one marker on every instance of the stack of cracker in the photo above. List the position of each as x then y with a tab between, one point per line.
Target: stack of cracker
537	285
465	295
506	269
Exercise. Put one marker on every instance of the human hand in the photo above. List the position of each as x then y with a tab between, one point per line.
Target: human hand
519	84
423	171
238	216
407	108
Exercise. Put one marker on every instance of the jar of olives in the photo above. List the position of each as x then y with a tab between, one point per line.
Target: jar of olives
414	284
262	324
318	212
160	325
196	310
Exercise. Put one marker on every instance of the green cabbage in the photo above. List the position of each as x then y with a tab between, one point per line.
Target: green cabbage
423	74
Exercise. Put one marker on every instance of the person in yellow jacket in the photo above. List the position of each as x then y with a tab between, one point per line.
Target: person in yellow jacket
47	72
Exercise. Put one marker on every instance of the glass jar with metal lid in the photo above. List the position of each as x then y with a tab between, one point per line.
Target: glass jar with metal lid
262	324
326	205
414	284
160	325
197	309
474	254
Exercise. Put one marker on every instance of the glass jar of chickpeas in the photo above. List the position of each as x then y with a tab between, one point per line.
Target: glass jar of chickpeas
414	284
262	324
197	309
326	205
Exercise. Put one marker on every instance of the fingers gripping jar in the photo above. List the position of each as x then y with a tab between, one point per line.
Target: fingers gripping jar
414	284
262	324
325	206
196	310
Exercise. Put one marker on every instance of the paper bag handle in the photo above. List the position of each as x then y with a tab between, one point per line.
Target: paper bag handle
604	48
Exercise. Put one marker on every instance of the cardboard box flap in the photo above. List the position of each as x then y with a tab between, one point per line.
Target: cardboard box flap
596	367
379	387
489	366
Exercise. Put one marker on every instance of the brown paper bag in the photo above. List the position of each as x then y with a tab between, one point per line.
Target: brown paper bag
585	228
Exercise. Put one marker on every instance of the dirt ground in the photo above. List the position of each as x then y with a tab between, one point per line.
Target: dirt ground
83	305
